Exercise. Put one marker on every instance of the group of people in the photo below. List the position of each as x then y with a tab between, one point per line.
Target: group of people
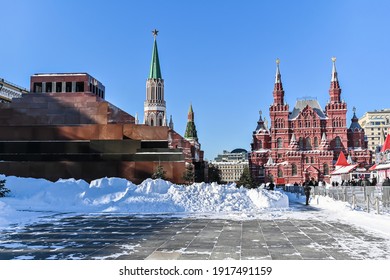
356	182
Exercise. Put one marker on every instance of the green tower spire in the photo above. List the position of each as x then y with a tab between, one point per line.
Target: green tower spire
191	129
155	71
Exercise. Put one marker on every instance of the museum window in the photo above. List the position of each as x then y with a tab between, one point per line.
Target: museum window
338	142
260	144
293	169
308	143
315	142
356	143
326	169
280	143
311	160
280	173
301	143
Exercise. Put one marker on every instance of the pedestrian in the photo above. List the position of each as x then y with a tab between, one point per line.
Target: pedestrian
271	186
307	190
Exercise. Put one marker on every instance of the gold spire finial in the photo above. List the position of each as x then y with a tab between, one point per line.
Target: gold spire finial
277	61
333	58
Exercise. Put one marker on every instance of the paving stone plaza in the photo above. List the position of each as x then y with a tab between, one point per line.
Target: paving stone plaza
152	237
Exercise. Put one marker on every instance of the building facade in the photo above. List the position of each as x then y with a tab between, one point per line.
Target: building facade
305	142
66	83
8	91
376	125
231	164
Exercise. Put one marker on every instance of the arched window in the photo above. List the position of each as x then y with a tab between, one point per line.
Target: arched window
307	160
311	160
293	169
315	142
280	143
280	173
260	144
308	143
338	142
326	169
301	143
356	143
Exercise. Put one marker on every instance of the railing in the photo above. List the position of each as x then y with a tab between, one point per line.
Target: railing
367	198
12	84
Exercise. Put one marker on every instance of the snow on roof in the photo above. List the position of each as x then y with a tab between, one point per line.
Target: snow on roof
382	166
302	103
343	169
262	151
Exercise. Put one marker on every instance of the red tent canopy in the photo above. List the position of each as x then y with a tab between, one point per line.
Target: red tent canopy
386	145
342	161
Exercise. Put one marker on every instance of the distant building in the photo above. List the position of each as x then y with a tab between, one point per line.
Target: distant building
66	83
235	155
9	90
376	125
231	164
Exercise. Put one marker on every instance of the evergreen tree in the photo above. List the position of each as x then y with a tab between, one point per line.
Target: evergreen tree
189	174
214	174
3	189
246	179
159	174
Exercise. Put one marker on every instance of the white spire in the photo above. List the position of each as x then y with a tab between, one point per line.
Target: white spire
349	159
278	79
323	137
293	139
270	161
334	72
136	118
164	120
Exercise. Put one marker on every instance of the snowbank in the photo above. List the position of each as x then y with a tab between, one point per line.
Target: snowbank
121	196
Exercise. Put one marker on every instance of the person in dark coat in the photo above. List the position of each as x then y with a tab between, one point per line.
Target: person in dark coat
271	186
307	190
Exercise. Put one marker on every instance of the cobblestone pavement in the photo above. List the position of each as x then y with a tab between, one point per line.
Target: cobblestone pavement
188	238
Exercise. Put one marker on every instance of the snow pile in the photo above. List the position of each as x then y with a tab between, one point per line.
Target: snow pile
121	196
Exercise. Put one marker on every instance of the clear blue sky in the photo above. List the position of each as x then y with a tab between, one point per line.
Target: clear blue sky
219	55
